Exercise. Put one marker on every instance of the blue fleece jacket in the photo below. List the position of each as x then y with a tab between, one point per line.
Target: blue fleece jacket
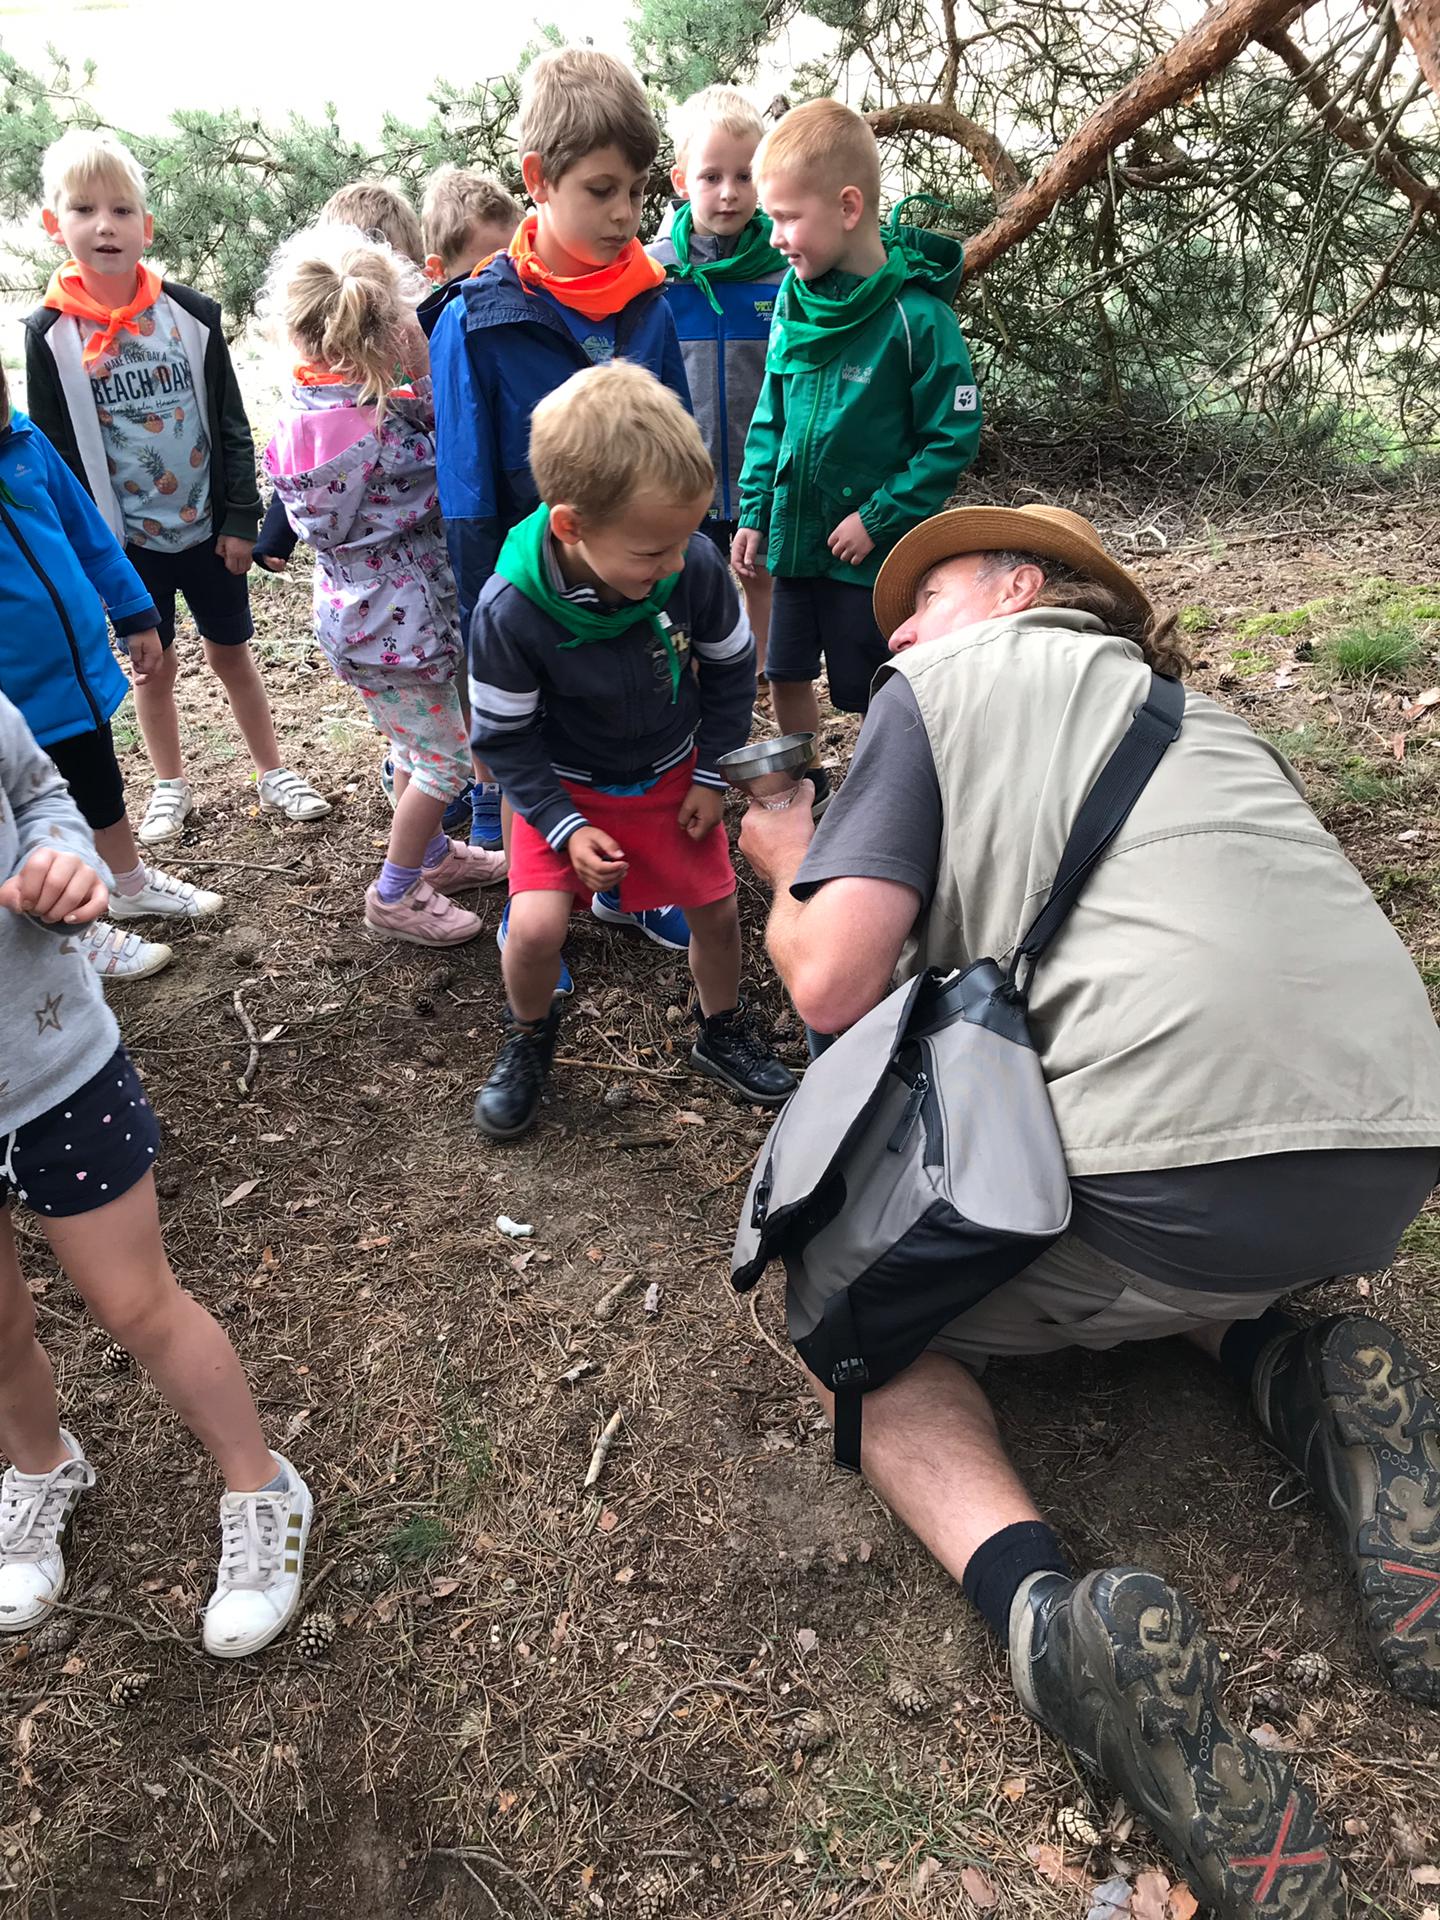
495	351
61	571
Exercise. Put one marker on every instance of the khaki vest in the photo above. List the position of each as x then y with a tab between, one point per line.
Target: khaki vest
1226	985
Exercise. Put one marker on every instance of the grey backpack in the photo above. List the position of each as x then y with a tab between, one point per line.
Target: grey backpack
918	1164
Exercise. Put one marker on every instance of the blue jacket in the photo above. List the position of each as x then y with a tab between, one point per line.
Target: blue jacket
495	351
61	570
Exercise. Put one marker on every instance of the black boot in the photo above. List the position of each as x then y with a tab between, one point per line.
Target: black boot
507	1104
1119	1668
732	1049
1345	1400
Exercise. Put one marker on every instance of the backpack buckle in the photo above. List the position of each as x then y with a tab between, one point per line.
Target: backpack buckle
761	1204
849	1373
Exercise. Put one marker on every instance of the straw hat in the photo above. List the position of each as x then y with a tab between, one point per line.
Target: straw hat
1050	532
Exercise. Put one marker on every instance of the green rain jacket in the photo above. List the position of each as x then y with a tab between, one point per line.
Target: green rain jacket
884	428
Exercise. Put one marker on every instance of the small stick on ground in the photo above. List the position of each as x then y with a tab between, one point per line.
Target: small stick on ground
604	1308
616	1066
246	1079
496	1866
602	1448
694	1686
199	1773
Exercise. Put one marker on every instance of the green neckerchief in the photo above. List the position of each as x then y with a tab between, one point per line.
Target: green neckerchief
754	255
522	563
811	328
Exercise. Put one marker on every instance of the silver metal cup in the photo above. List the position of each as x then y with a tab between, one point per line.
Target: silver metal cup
770	771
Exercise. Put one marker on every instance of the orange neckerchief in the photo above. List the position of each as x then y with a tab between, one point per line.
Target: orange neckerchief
66	292
308	374
596	295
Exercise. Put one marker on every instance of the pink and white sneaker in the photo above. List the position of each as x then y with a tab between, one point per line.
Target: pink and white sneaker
422	916
464	867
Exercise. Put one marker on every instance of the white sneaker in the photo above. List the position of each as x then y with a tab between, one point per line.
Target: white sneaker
285	792
122	956
262	1565
35	1509
170	802
165	897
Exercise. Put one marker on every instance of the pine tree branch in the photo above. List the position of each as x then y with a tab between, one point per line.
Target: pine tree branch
1419	21
949	123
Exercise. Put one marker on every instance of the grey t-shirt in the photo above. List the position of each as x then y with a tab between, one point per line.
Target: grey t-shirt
1271	1222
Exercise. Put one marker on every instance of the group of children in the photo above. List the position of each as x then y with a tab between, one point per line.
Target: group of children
520	445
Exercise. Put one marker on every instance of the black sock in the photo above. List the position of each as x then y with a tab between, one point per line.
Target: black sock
994	1571
1246	1340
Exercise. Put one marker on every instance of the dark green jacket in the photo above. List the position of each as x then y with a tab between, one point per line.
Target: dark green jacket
886	428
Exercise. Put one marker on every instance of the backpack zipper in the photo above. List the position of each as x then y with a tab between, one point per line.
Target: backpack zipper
910	1113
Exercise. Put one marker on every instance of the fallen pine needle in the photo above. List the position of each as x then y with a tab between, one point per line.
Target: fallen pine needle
602	1447
616	1066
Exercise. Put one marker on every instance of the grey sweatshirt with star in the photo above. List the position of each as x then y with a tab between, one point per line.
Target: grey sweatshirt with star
56	1031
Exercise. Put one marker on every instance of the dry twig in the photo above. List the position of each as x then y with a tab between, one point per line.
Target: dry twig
246	1079
602	1448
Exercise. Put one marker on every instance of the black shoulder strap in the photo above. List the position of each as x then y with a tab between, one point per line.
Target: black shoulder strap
1103	812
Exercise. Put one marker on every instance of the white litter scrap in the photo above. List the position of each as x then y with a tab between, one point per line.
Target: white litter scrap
513	1229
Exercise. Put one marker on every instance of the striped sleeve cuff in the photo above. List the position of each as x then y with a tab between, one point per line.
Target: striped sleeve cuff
500	709
733	646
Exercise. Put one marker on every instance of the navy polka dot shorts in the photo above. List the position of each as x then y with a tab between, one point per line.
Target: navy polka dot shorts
86	1152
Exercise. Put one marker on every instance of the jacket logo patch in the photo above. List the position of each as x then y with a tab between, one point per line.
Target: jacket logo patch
860	375
764	309
967	399
660	659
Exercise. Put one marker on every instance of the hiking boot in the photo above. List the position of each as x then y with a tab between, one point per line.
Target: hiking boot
122	956
1345	1401
163	897
464	866
165	814
282	791
262	1567
732	1049
420	916
485	820
35	1509
666	926
1117	1666
457	815
507	1104
564	985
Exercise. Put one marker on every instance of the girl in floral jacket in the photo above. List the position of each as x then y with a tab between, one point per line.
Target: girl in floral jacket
353	461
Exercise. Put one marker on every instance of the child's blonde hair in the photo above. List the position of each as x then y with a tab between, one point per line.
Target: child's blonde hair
719	107
609	433
457	200
829	144
87	157
574	101
377	206
347	302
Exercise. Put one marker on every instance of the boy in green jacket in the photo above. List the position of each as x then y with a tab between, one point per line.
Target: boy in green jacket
868	416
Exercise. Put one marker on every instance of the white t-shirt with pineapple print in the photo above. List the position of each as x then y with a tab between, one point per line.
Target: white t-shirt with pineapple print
152	420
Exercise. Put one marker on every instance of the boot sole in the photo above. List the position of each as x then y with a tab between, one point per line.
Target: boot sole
1248	1836
713	1072
1373	1385
492	1132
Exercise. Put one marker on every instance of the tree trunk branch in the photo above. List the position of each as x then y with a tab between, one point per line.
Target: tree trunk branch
1420	23
1212	43
949	123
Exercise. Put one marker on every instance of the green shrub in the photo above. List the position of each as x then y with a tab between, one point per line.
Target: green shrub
1372	648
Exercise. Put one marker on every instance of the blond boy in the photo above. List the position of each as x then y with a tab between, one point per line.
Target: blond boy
464	218
130	378
380	208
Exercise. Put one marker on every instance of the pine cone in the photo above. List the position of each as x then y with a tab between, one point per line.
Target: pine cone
316	1635
908	1696
753	1799
811	1731
1312	1671
114	1358
56	1635
654	1895
129	1689
1077	1828
369	1574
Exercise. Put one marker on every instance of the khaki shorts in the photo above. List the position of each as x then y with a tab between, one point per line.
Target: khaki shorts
1074	1296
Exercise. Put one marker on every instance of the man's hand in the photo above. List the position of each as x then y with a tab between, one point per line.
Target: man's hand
850	542
145	653
745	552
702	809
271	562
235	552
596	859
775	839
57	886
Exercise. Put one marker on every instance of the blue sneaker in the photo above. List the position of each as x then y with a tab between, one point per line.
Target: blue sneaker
666	926
457	814
485	816
502	934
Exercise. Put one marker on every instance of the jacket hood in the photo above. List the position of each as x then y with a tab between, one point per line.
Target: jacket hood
944	260
435	302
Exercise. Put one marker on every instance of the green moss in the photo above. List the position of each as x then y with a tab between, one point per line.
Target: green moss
1197	619
1393	600
1284	624
1248	662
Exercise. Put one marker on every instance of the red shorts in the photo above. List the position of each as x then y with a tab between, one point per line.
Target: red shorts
667	867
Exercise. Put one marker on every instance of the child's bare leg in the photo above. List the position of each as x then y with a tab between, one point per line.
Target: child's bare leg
116	846
159	719
115	1259
235	669
530	963
715	954
758	592
797	710
29	1413
415	823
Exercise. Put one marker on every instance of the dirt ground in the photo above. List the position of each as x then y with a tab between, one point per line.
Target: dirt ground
689	1691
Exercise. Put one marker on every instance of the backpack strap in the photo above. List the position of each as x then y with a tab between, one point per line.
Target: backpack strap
1102	814
849	1377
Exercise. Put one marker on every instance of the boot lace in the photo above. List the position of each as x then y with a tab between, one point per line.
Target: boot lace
33	1507
252	1535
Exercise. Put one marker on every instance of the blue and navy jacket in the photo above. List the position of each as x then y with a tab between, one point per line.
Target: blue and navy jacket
496	350
61	571
724	356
